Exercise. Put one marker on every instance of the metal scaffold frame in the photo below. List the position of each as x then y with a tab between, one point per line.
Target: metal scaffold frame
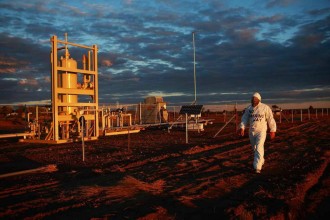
89	110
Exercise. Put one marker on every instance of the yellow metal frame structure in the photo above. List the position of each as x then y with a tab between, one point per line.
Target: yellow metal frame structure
77	109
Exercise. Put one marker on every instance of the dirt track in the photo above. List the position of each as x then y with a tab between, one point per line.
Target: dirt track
157	176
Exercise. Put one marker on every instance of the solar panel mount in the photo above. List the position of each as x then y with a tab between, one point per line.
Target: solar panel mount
191	109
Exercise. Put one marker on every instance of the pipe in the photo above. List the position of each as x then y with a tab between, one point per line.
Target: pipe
195	101
15	135
47	169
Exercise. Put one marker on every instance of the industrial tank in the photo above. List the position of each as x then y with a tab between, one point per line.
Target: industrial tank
153	110
68	80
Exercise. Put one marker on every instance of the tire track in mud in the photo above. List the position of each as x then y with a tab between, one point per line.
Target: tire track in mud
317	198
197	159
198	181
197	173
19	200
302	161
191	170
315	163
191	178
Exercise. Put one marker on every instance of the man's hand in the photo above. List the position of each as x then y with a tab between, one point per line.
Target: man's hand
240	132
272	135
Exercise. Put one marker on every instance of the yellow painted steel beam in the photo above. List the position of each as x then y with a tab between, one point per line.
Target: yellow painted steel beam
76	91
63	141
67	104
75	70
54	61
96	90
74	117
119	132
74	44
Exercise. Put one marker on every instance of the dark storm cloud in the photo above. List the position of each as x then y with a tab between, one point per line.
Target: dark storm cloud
275	3
246	62
22	69
323	11
146	48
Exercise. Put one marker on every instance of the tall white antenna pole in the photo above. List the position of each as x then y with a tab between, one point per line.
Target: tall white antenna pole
193	34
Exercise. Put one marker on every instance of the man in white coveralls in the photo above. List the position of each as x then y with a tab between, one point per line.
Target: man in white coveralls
258	115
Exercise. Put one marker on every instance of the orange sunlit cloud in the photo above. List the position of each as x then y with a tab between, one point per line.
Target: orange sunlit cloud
10	65
247	34
107	63
28	82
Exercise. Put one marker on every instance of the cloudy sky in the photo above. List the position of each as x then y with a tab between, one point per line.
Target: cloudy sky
280	48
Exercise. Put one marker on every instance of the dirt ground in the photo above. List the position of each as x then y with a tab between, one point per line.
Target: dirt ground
156	175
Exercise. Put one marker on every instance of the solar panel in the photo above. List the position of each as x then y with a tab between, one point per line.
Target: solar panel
191	109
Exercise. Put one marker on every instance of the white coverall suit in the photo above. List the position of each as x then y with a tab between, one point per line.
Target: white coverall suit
258	117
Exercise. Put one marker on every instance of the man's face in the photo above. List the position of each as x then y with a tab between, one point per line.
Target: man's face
254	101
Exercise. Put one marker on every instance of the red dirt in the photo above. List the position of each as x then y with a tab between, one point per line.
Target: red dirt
158	176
